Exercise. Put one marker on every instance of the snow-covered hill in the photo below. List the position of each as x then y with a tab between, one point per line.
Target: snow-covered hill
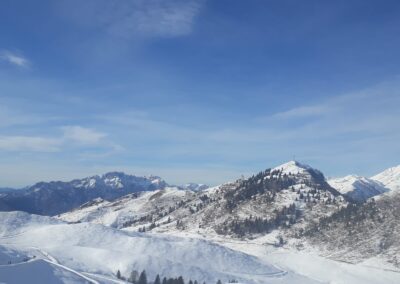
99	250
291	194
390	178
357	188
124	211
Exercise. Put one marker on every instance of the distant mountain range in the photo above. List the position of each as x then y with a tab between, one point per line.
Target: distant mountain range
360	188
56	197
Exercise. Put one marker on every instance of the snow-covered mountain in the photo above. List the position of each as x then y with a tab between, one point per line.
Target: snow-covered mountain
51	198
357	188
390	178
288	195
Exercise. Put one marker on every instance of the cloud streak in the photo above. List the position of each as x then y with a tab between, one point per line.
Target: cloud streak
72	135
81	135
14	59
29	144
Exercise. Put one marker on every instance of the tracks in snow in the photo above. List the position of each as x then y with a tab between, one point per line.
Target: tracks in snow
52	260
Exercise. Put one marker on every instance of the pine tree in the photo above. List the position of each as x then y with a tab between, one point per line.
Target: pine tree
164	281
180	280
219	282
157	281
119	274
142	278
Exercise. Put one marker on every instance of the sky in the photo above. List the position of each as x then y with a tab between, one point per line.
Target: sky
195	90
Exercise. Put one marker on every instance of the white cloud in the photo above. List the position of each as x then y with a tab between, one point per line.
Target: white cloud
82	135
14	59
29	143
73	136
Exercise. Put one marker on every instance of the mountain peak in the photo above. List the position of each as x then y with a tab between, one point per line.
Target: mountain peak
293	167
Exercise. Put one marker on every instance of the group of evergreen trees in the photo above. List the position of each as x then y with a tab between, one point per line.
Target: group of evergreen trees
255	225
268	181
141	278
350	216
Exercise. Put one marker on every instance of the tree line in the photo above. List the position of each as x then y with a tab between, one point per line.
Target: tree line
142	278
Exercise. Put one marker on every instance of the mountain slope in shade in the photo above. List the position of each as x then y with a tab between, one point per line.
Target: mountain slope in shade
357	188
52	198
390	178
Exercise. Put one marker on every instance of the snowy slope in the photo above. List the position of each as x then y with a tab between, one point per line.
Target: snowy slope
357	188
390	178
293	167
122	212
101	250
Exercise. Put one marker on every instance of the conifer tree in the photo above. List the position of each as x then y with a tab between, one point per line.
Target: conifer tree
142	278
119	274
157	281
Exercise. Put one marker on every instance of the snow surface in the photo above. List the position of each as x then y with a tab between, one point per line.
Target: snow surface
314	268
101	250
18	267
356	187
390	178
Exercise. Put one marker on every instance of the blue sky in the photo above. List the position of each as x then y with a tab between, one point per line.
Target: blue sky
194	90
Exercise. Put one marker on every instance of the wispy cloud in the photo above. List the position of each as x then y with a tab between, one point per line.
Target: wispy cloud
303	111
14	59
29	143
155	18
82	135
71	136
11	117
130	19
